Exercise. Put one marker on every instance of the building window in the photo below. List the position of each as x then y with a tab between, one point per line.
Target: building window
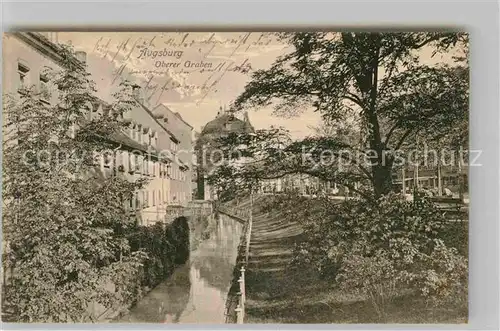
132	131
154	138
106	111
137	164
173	146
137	201
153	197
139	133
136	90
131	163
23	72
131	201
123	161
44	88
144	135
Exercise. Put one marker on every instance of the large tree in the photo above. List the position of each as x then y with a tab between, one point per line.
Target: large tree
64	222
377	81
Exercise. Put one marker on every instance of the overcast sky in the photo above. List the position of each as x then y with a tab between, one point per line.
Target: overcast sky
192	88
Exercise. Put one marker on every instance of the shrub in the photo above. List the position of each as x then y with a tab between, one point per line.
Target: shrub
437	277
373	277
62	217
443	274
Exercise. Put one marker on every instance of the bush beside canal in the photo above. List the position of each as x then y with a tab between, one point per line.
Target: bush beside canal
163	247
166	247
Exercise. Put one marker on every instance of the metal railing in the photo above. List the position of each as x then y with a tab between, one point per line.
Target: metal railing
236	298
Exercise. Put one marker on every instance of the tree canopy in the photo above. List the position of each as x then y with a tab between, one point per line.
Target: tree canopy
65	223
377	81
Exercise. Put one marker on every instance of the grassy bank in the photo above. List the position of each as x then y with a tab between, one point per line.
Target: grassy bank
298	296
278	292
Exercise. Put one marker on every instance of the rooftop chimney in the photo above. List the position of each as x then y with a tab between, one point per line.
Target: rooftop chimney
136	92
81	56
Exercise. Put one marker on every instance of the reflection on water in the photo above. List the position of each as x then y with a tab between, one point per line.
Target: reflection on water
196	292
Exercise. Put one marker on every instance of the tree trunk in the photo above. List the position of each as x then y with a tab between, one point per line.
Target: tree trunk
382	179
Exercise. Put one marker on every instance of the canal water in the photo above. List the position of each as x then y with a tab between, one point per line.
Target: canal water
196	292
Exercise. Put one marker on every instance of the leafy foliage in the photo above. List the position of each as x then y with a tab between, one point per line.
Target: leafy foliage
166	247
379	249
64	221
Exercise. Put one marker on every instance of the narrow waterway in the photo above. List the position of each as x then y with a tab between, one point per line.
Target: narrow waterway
196	292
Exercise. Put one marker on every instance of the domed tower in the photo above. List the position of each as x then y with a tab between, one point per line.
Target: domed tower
224	123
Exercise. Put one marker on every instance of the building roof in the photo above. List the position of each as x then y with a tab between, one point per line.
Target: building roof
175	127
172	136
183	120
43	45
225	123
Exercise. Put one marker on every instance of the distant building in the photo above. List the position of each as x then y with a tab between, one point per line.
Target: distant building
224	123
183	150
449	177
301	184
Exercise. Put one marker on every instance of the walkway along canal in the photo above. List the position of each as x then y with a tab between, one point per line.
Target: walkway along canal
196	292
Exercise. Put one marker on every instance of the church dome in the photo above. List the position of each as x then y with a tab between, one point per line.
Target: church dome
226	123
206	143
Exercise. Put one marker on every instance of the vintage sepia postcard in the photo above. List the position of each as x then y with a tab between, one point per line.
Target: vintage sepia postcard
235	177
